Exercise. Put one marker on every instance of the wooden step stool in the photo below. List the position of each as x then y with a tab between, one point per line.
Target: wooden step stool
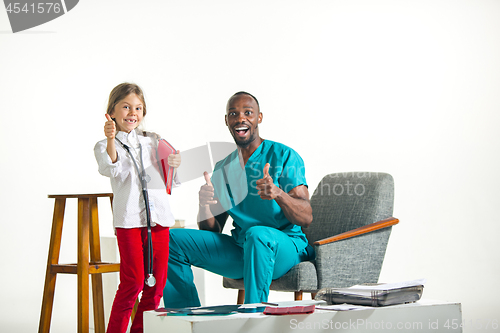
88	234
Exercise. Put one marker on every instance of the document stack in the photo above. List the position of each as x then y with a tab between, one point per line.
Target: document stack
374	294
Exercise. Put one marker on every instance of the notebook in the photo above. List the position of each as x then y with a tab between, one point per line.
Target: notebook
164	150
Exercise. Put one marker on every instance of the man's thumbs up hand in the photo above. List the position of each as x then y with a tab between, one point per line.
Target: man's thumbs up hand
266	170
265	186
206	193
207	179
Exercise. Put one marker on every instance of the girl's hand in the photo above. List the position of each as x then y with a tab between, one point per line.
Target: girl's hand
174	160
110	132
109	128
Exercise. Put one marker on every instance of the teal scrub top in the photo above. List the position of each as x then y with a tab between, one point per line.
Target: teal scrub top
235	188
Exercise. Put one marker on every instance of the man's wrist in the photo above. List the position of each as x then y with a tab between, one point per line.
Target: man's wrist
280	195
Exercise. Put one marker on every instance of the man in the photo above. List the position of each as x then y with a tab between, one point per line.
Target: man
262	186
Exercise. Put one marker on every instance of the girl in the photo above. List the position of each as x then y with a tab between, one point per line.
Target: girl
122	156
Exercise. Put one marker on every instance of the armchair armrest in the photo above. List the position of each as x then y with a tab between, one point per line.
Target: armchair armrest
359	231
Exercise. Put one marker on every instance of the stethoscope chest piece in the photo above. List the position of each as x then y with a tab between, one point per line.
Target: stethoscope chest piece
150	280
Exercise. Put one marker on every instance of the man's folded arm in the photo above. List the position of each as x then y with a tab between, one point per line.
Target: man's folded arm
296	205
208	221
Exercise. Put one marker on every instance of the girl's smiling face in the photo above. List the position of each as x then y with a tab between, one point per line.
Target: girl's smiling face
128	113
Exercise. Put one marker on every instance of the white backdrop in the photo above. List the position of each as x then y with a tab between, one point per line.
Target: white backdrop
405	87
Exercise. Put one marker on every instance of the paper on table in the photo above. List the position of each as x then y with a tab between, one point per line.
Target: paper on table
343	307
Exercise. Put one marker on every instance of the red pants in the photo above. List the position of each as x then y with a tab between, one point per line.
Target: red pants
133	247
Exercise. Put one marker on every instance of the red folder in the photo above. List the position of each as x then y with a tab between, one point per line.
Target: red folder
164	150
289	310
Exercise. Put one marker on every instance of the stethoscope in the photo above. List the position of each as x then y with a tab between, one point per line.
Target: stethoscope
150	279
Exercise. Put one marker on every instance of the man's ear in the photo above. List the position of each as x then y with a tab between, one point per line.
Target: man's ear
260	117
225	120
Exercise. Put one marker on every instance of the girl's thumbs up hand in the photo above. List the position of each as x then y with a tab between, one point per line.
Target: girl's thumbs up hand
109	128
174	160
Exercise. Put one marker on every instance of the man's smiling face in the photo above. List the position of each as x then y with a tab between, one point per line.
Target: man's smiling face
243	118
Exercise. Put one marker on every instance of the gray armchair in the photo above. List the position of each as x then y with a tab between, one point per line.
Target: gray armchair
352	222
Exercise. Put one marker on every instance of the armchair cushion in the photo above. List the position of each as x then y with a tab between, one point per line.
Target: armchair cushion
301	276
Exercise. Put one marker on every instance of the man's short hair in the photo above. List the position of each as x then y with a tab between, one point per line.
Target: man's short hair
245	93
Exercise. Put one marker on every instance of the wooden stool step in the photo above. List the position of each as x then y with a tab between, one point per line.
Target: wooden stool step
88	262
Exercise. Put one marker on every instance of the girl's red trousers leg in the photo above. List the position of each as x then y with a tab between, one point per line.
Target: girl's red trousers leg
133	247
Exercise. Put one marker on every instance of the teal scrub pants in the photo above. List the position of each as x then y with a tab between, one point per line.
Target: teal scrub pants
267	254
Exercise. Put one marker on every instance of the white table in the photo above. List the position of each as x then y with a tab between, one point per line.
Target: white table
422	316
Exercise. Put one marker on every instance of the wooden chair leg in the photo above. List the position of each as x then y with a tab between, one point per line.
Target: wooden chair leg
98	306
298	295
134	310
53	259
95	256
241	296
83	264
